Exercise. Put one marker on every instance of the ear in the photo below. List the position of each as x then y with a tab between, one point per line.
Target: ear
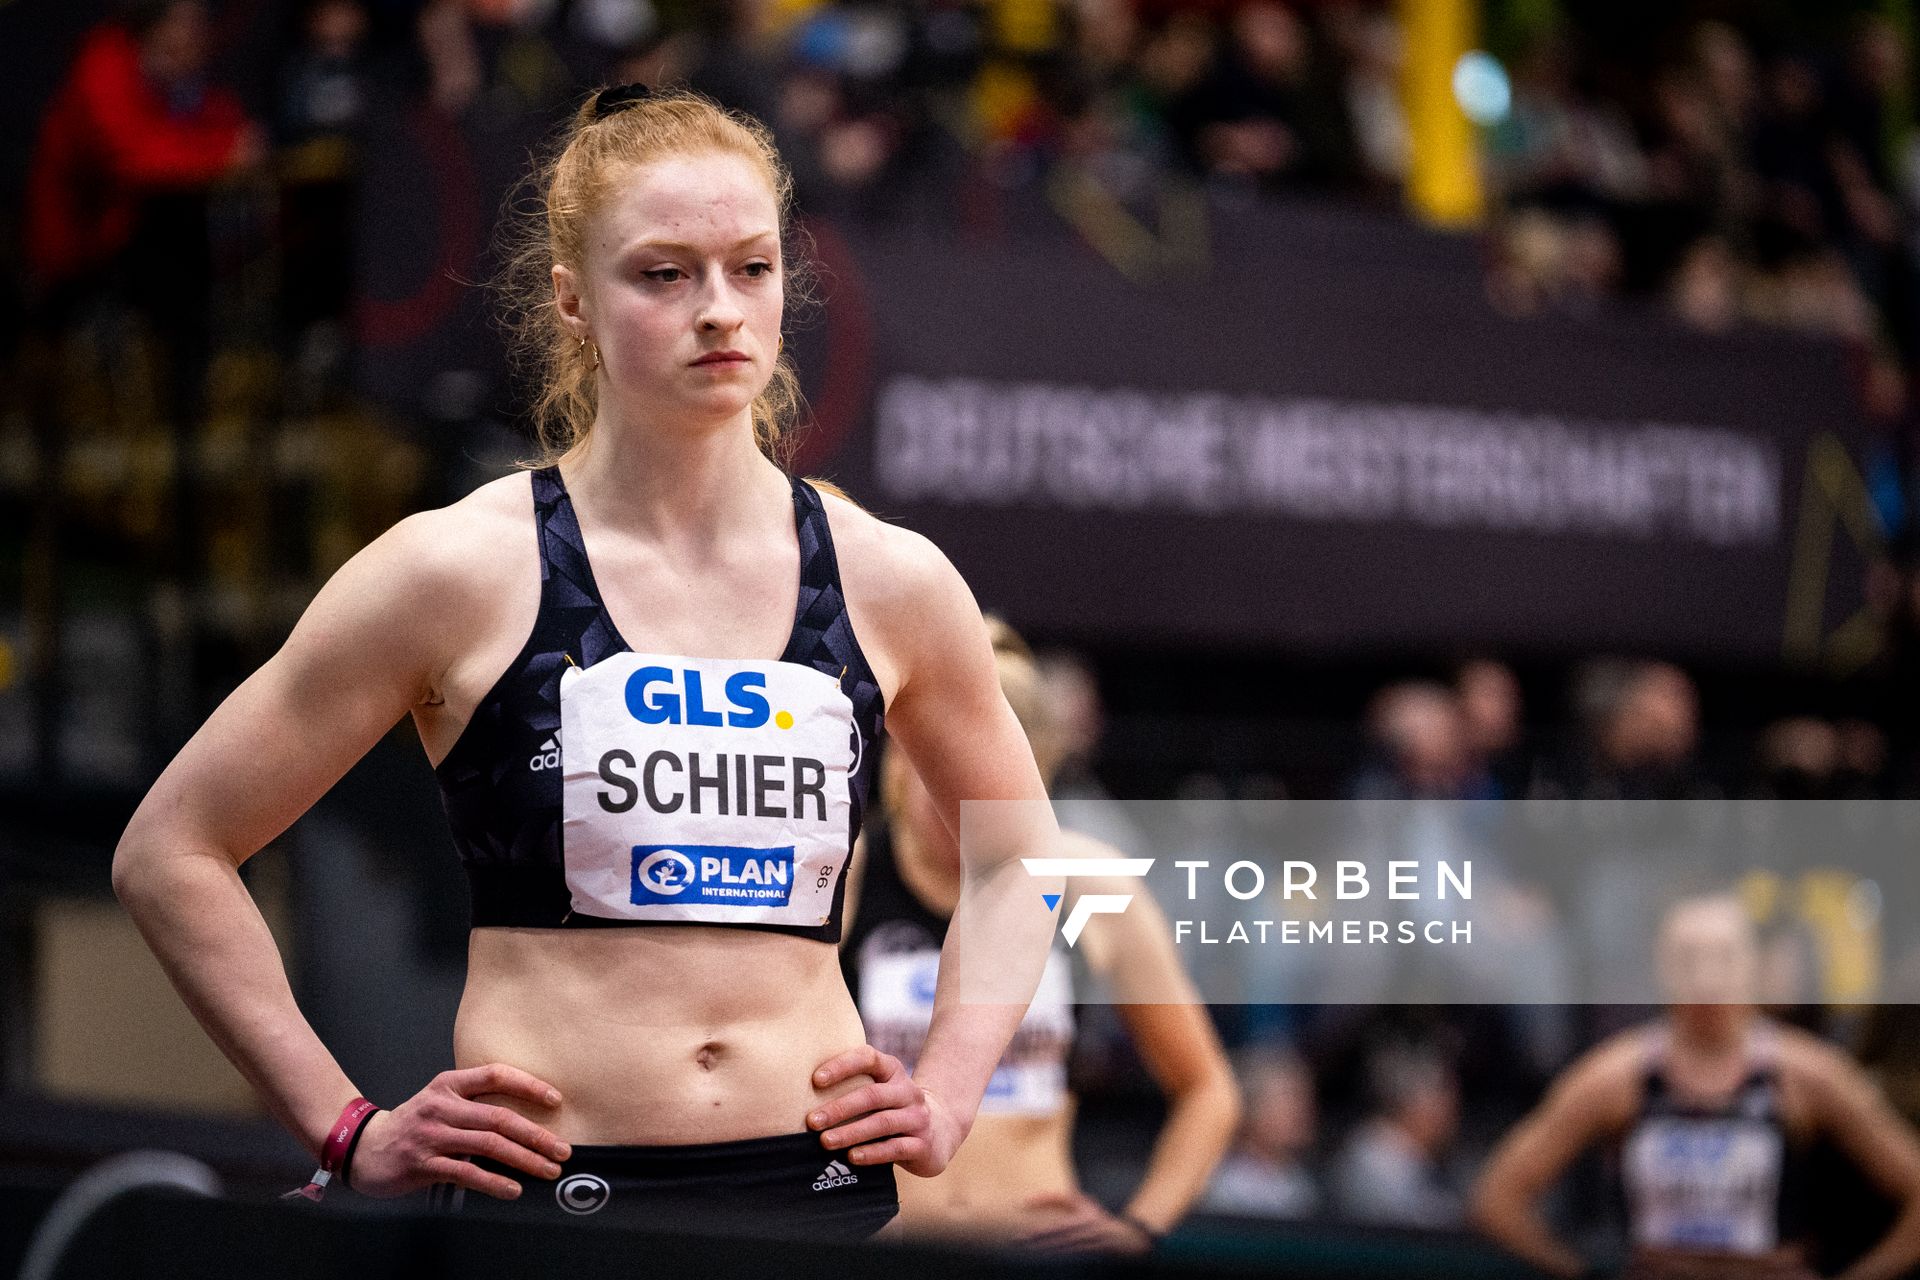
568	301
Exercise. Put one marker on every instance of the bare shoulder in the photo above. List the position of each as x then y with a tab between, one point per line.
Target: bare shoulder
463	539
1605	1081
905	597
887	564
446	555
423	587
1816	1065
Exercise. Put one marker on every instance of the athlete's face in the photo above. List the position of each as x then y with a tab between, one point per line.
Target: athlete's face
680	287
1707	954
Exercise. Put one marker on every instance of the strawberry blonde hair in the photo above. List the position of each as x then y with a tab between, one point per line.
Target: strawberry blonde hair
548	226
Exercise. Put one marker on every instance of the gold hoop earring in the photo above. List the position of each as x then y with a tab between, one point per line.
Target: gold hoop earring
584	344
781	346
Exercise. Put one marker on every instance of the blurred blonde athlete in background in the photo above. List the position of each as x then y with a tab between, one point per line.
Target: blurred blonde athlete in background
1014	1180
1714	1107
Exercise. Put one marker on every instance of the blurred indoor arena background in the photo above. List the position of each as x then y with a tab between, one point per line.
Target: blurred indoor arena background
1137	308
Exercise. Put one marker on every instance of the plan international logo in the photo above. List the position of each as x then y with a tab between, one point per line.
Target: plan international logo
1090	904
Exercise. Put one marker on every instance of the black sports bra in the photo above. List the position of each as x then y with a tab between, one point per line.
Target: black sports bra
594	786
1724	1178
891	959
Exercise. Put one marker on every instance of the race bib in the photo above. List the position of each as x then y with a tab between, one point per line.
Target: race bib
896	1007
1705	1184
705	789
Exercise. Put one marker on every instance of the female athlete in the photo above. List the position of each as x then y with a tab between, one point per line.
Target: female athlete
1015	1179
650	674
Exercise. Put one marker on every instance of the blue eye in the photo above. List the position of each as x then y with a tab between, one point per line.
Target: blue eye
758	269
665	275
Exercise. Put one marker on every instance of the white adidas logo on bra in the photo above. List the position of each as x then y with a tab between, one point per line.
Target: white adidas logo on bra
548	755
835	1175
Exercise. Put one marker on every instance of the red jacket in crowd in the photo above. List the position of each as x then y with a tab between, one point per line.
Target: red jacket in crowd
108	138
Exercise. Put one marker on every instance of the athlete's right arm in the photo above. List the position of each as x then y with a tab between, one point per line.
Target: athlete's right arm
372	644
1592	1099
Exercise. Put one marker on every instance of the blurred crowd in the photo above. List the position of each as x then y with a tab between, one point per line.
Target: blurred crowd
1638	738
1731	175
1728	174
1740	174
1381	1114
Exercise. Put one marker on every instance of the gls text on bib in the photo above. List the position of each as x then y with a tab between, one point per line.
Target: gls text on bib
705	789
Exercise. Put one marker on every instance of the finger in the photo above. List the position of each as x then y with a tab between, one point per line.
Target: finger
462	1173
464	1114
1060	1235
853	1062
902	1150
497	1147
868	1097
880	1124
498	1077
1069	1225
1051	1200
1064	1240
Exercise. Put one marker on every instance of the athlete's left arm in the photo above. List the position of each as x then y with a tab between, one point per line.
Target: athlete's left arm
1134	953
1850	1108
950	717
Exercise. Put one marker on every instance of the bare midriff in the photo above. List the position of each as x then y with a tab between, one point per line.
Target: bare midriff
1788	1262
1005	1160
662	1035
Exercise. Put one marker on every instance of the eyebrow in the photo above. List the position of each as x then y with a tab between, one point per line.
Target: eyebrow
676	246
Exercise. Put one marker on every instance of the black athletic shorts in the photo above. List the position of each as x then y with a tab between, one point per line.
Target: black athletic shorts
787	1185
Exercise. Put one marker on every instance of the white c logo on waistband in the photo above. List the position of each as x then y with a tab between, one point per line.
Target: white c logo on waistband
583	1193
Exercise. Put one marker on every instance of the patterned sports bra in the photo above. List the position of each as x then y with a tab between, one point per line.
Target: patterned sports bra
1720	1178
596	786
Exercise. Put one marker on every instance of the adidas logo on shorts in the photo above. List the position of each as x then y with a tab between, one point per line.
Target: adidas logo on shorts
835	1175
548	755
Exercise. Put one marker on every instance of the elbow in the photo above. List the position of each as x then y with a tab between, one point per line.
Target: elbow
129	867
1483	1209
138	863
1233	1102
1213	1097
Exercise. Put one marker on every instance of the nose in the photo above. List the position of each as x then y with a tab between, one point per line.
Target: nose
720	310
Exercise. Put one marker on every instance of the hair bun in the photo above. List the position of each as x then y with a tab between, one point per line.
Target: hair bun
617	98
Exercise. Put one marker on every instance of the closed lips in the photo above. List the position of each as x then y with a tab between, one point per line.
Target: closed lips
722	357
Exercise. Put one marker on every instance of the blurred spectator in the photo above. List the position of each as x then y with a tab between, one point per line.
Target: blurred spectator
323	93
455	71
1391	1171
1370	43
1265	113
323	102
1420	740
1875	77
134	127
1488	696
1559	148
845	114
1808	758
1269	1173
734	56
1640	725
117	206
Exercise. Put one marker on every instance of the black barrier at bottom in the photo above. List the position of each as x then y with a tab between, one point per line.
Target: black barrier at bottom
146	1235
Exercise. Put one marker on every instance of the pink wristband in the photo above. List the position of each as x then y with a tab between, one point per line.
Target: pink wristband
334	1153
